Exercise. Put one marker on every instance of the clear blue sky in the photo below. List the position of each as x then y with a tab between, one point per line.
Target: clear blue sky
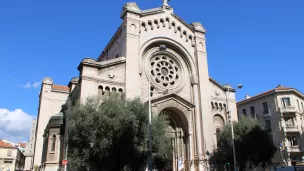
258	43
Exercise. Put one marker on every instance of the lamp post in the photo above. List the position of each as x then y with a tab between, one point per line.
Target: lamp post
228	89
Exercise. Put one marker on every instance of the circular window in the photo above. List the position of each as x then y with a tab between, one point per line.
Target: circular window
165	71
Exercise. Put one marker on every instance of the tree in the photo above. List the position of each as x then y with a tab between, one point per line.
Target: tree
111	134
253	144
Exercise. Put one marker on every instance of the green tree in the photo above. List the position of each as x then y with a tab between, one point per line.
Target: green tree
112	135
253	145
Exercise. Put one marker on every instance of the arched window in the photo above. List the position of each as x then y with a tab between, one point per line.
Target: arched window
216	106
100	90
53	143
221	107
114	89
120	90
217	134
107	89
212	105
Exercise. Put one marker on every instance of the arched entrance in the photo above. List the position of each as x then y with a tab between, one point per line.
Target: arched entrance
178	132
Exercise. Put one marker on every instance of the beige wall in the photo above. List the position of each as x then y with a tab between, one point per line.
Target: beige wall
5	157
31	142
276	117
51	102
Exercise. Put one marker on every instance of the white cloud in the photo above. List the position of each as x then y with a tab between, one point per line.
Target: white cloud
36	84
27	85
15	125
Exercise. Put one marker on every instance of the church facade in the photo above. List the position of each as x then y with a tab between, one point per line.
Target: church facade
152	44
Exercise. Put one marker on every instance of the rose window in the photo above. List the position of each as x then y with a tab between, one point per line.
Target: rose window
165	72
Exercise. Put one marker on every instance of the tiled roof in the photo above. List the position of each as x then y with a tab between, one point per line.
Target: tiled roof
60	87
5	145
265	93
22	145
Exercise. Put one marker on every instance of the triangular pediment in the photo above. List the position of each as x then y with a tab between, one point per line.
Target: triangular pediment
178	99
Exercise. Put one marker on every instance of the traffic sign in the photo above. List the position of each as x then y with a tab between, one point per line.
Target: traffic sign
64	162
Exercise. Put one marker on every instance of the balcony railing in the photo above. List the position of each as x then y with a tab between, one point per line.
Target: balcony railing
295	148
288	109
292	128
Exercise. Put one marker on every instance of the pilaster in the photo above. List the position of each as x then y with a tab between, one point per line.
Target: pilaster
203	86
131	23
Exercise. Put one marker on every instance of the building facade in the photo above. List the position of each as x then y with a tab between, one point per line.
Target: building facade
29	151
11	157
282	112
152	44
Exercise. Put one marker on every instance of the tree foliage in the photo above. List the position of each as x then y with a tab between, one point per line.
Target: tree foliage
253	144
112	134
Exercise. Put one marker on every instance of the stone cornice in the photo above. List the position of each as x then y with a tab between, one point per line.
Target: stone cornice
102	80
93	63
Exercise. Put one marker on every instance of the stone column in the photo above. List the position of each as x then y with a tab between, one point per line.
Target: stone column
191	146
198	127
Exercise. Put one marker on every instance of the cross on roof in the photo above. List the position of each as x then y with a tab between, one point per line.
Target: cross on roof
165	2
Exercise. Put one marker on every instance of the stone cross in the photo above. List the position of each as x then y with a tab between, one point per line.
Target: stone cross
165	2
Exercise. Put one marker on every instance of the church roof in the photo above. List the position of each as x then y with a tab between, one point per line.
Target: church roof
60	87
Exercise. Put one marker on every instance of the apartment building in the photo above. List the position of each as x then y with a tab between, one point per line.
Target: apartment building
11	157
29	152
281	110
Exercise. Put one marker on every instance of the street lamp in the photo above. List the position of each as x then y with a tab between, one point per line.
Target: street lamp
228	89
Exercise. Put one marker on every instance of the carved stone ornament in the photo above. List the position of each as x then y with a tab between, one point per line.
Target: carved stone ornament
165	71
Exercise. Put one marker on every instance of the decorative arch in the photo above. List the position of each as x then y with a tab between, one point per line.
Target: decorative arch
218	121
177	46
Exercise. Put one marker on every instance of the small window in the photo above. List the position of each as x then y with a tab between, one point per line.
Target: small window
268	125
244	112
9	152
299	105
302	106
289	121
293	141
217	134
286	102
8	161
265	108
53	143
252	111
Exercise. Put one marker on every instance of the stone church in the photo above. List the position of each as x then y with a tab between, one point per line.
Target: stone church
153	43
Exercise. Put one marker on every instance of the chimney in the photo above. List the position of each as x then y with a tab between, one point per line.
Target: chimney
247	96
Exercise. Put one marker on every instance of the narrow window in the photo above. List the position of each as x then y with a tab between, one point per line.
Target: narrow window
100	90
114	89
286	102
299	105
244	112
217	134
53	143
268	125
265	108
9	152
252	111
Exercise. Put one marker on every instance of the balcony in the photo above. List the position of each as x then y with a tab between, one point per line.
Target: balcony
295	148
288	109
292	128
